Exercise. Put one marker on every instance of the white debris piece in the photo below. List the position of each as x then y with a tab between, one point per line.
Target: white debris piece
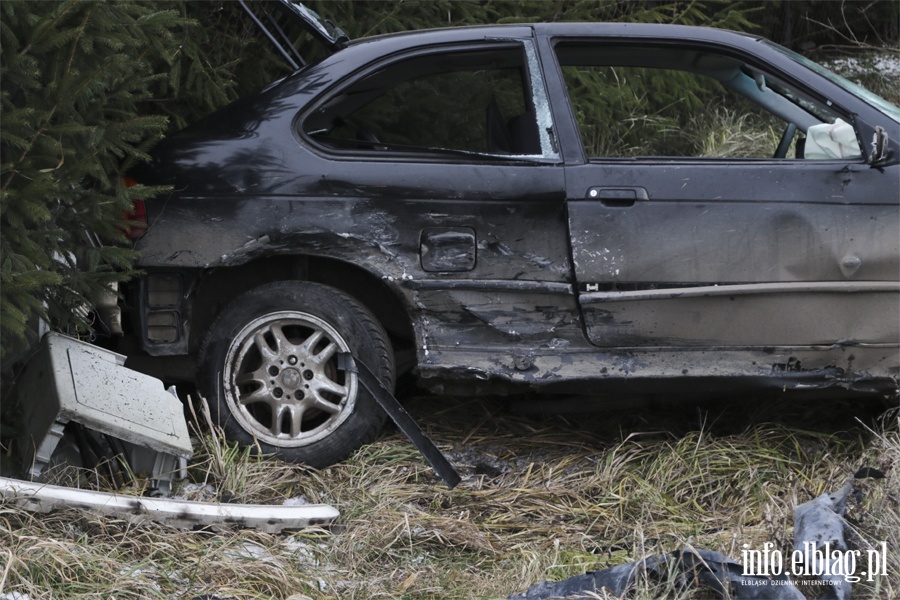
179	513
70	380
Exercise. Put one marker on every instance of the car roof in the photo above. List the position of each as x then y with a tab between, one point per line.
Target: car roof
569	29
362	50
271	17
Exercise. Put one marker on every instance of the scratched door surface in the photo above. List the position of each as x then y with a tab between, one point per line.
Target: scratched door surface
735	253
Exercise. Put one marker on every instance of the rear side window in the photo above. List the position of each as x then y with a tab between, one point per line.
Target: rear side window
476	101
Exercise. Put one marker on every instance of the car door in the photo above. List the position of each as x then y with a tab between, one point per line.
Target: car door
449	149
706	214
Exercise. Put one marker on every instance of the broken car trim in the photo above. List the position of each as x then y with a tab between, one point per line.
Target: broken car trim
178	513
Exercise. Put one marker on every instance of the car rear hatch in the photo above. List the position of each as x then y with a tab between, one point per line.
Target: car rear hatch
284	23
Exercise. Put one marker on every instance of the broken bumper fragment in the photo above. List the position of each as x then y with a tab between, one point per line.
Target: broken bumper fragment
178	513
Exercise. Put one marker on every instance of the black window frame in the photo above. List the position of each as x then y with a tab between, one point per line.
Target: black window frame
769	69
439	155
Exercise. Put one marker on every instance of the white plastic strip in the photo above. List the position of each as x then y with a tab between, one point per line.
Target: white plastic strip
744	289
178	513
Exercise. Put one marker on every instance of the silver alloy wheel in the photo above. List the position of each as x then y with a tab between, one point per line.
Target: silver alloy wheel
282	382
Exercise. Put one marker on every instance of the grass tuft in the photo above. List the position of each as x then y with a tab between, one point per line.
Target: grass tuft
541	498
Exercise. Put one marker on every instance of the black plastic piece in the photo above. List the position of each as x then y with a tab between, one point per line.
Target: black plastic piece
401	418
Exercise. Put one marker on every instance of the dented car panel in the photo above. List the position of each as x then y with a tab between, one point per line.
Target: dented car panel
514	258
800	246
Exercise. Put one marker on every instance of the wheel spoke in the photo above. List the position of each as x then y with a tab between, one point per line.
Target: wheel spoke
263	346
326	354
327	385
317	401
284	346
277	416
297	420
260	395
310	343
258	376
245	378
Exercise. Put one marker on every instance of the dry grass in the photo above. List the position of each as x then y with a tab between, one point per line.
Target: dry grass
541	498
723	133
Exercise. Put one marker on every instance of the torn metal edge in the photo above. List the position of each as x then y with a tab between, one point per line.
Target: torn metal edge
178	513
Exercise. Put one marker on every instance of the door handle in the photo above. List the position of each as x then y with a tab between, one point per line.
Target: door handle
617	197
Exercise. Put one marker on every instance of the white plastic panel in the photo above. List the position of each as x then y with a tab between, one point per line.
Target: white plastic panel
70	380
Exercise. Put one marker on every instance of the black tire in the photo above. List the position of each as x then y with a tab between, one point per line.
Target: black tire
269	369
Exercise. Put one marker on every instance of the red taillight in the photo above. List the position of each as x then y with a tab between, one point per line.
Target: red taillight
137	213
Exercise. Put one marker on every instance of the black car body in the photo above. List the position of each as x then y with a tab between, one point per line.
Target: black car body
442	184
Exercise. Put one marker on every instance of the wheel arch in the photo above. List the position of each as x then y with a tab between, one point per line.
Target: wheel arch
218	287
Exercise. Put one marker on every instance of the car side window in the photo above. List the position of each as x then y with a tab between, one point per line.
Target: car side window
477	101
646	102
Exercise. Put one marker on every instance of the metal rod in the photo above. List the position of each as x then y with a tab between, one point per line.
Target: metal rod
259	24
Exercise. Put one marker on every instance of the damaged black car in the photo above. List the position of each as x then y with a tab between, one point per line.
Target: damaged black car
522	209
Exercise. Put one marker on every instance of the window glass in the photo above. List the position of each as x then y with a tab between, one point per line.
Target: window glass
855	89
634	102
474	102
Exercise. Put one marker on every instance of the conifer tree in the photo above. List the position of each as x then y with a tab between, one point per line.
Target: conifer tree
73	74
